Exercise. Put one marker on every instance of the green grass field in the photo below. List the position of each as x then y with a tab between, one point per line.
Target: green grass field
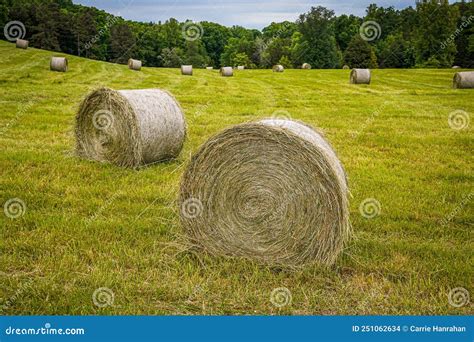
89	225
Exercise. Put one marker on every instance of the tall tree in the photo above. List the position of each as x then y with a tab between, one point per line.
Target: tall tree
122	43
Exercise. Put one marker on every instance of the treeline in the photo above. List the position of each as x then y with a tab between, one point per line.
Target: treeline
433	34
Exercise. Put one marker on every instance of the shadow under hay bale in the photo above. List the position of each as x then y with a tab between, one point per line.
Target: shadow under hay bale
278	68
129	127
22	44
273	191
58	64
187	70
360	76
226	71
134	64
306	66
463	80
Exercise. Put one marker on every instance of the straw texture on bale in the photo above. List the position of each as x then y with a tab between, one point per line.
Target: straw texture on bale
306	66
241	67
278	68
360	76
463	80
22	44
134	64
273	191
129	127
187	70
58	64
227	71
345	67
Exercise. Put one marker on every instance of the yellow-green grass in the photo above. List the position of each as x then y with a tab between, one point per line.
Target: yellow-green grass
89	225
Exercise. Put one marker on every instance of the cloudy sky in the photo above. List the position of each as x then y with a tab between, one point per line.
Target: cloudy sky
248	13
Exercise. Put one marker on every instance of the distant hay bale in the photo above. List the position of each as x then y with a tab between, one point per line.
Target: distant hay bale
22	44
134	64
129	127
456	67
241	67
226	71
278	68
209	68
273	191
345	67
306	66
463	80
360	76
187	70
58	64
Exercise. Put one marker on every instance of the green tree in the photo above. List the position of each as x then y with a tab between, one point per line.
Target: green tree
171	58
122	43
360	54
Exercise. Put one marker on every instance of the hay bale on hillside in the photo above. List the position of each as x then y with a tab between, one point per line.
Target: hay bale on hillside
240	67
306	66
209	68
456	67
187	70
360	76
134	64
345	67
129	127
463	80
226	71
58	64
22	44
272	191
278	68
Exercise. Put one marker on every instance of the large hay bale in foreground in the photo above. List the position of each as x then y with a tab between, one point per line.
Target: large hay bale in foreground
22	44
306	66
278	68
226	71
360	76
58	64
134	64
463	80
187	70
272	191
129	127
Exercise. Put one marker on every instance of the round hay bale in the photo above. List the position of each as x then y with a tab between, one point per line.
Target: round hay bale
129	127
360	76
278	68
456	67
306	66
463	80
187	70
209	68
134	64
345	67
22	44
241	67
226	71
58	64
273	191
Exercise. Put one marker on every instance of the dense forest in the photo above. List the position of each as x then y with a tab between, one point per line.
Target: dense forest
432	34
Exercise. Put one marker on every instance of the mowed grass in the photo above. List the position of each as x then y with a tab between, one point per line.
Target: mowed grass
89	225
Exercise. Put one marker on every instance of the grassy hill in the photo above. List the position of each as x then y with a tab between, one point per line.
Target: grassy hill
89	225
